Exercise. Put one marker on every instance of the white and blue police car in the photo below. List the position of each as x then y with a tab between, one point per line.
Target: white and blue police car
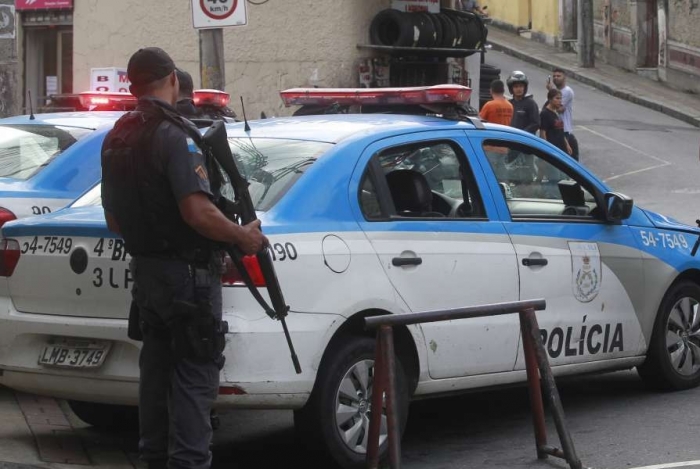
366	215
47	160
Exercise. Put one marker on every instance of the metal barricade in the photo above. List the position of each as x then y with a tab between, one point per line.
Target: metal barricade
535	358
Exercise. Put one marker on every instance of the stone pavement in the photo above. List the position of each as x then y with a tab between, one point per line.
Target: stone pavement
612	80
42	433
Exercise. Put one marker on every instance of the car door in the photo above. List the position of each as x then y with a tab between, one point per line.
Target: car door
589	271
440	249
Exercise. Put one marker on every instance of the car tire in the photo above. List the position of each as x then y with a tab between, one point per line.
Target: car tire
392	28
673	357
106	416
317	423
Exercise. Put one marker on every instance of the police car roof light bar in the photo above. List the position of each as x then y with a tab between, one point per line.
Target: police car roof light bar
423	95
102	99
211	97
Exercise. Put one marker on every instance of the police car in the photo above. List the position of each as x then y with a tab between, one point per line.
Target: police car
367	215
48	160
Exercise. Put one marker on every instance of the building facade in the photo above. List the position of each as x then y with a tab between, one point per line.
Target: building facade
659	39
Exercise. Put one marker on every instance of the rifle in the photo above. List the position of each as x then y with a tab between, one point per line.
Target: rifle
216	141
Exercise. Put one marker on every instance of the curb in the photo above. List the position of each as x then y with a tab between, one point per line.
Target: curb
583	78
12	465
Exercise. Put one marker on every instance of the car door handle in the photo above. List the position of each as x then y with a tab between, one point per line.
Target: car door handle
530	262
404	261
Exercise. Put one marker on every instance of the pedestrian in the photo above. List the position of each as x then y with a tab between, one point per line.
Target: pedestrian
526	115
159	192
471	6
499	110
567	108
552	125
185	102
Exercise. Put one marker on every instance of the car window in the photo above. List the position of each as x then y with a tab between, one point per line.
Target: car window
24	149
424	180
535	187
271	167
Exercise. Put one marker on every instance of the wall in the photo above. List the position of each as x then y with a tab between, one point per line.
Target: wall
511	13
684	43
9	86
286	43
614	32
545	20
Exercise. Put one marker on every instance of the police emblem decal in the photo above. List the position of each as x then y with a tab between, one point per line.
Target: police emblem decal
587	275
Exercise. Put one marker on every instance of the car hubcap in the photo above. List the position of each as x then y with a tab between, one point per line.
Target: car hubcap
683	336
354	407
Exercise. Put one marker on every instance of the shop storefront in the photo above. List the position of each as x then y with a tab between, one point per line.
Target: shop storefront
47	47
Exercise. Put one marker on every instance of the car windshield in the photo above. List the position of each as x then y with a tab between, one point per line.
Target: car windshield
271	167
24	149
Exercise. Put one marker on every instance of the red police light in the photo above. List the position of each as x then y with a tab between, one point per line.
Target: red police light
105	101
439	94
9	256
211	98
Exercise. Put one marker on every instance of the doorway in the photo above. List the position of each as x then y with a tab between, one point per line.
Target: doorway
650	29
48	62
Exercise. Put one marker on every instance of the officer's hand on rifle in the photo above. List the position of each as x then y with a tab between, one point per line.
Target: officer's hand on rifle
251	240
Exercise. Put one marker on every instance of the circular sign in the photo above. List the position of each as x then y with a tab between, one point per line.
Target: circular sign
218	9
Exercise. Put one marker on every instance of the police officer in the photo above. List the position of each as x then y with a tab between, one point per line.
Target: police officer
185	101
159	192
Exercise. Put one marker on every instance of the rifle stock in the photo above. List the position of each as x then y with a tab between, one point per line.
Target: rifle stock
217	142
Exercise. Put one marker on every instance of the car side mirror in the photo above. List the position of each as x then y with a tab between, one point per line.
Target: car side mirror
618	206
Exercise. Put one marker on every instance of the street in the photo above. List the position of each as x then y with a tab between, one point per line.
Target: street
615	422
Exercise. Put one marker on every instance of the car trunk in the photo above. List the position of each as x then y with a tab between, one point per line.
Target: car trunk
81	272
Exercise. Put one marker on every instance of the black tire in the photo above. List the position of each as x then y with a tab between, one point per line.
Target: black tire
659	370
449	31
106	416
437	25
425	27
391	28
316	422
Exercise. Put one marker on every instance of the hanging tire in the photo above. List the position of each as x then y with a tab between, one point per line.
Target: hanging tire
106	416
392	28
673	357
336	418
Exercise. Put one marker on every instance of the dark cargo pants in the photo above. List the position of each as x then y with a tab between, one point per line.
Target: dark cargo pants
175	395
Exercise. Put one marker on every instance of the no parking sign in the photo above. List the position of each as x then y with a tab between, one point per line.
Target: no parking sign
218	13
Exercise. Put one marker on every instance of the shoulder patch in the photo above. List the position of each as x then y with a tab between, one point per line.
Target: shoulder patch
201	172
191	146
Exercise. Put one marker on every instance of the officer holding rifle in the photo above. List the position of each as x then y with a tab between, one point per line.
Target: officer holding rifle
161	194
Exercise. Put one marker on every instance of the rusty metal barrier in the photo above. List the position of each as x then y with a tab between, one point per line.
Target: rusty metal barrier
535	358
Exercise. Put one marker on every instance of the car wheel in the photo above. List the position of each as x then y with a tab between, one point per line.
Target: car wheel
336	418
673	357
106	416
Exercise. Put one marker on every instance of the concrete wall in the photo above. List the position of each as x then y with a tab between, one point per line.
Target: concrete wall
545	20
286	44
10	91
514	13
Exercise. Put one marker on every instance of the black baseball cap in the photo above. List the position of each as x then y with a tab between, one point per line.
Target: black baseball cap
148	65
186	84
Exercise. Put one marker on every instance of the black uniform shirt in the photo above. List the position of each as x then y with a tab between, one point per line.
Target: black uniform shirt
144	197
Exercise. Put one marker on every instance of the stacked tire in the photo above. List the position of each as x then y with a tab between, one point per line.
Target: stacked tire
489	73
449	29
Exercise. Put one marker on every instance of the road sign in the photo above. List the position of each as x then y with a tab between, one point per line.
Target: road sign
218	13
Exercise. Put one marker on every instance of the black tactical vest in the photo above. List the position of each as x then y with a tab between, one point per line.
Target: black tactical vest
143	204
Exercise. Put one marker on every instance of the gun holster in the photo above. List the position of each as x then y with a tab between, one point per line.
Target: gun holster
134	331
197	334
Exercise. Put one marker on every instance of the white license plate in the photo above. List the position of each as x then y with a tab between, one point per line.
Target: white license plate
74	353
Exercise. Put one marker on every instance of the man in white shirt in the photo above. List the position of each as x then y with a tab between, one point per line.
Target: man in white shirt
567	107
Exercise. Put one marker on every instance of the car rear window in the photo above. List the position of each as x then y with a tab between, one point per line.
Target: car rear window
24	149
271	166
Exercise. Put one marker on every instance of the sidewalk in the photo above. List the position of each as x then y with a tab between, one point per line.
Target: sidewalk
610	79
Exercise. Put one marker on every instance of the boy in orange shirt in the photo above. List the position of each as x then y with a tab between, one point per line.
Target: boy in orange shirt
499	110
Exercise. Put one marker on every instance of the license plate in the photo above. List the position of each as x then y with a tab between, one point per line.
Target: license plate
74	353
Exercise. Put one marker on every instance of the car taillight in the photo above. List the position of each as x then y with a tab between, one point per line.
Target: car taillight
5	216
233	277
211	98
9	256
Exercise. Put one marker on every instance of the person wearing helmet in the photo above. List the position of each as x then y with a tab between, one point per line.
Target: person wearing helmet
526	114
